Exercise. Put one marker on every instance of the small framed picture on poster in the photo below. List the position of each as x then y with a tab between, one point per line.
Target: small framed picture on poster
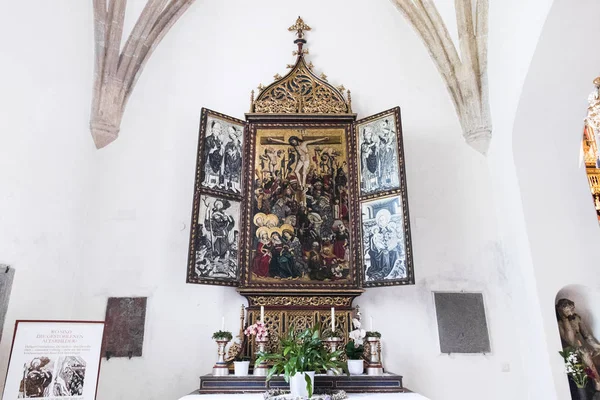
54	359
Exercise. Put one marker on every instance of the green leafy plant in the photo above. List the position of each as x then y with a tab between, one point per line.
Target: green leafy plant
353	350
222	335
374	334
328	333
302	352
575	368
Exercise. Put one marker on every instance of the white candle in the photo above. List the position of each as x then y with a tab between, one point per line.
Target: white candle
262	314
371	324
223	323
332	319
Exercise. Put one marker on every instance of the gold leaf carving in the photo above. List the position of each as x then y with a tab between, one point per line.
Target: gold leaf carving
331	301
301	92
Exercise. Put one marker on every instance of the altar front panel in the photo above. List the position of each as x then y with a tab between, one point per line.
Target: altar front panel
257	396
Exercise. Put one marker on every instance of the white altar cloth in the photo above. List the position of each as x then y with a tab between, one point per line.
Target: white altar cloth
351	396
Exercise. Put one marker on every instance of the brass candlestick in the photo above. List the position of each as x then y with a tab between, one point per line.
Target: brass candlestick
220	368
261	369
374	366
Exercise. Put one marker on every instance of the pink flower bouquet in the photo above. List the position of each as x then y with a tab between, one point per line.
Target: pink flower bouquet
259	330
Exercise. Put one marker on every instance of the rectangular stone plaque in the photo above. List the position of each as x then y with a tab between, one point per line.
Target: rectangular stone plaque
124	331
461	323
7	275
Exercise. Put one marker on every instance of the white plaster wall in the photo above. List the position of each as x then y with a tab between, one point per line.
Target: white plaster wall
129	226
515	26
45	150
139	242
559	215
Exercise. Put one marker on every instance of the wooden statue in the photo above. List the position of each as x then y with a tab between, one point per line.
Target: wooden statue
575	333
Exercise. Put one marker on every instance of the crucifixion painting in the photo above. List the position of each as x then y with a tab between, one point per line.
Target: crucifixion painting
300	210
302	158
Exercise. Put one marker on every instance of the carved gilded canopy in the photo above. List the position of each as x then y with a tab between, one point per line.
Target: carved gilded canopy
301	91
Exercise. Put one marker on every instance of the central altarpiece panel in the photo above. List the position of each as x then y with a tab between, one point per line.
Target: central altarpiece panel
300	206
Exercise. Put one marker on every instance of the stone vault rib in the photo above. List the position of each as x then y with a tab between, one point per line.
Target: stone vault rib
465	75
116	72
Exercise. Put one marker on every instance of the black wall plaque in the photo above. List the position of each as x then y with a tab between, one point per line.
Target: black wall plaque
461	323
7	275
124	330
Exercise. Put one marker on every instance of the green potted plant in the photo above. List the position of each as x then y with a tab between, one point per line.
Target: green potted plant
328	333
373	334
300	356
576	370
222	335
241	365
222	338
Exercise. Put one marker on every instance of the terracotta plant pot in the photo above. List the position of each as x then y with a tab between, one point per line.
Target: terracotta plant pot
356	367
298	384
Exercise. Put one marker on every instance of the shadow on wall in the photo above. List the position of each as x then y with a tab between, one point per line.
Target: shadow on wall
577	308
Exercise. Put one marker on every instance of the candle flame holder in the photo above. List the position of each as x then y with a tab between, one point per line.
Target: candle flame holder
220	368
374	366
261	369
332	344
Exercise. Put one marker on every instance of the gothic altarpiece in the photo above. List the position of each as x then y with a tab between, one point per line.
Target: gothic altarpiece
300	206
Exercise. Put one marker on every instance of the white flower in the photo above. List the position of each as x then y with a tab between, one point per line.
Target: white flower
357	336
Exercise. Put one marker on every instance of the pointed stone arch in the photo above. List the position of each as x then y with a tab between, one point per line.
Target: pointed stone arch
116	71
465	74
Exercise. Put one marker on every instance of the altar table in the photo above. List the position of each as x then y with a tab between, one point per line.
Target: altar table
351	396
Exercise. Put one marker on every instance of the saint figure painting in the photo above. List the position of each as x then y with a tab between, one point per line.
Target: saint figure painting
378	155
385	245
222	155
217	238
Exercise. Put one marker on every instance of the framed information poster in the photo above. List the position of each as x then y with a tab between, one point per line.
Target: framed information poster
54	360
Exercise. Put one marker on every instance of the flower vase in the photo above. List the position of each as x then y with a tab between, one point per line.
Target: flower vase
356	367
240	368
220	368
332	344
374	366
582	393
298	384
261	369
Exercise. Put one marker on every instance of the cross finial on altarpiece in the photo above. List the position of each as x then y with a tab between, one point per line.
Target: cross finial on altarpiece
299	27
